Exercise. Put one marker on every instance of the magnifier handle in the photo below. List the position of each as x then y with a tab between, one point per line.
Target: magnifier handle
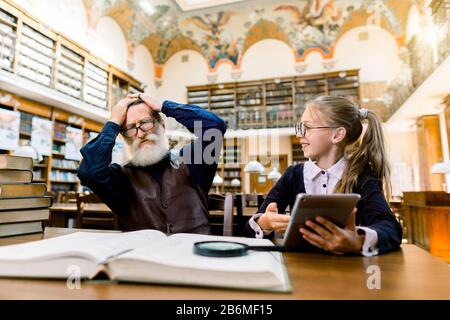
266	248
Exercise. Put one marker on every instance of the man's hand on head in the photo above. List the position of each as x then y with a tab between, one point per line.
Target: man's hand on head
152	102
119	111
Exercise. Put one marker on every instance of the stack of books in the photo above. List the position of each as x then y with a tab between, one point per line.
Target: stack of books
24	206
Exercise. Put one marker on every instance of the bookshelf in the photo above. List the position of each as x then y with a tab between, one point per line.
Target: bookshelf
63	176
8	30
279	103
199	98
32	51
121	84
230	166
69	73
250	106
271	103
40	170
297	152
57	170
306	90
96	88
37	54
343	84
119	89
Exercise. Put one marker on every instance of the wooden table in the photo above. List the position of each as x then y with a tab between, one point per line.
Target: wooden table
64	214
411	273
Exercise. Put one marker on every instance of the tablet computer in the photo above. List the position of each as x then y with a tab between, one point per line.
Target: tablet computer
335	207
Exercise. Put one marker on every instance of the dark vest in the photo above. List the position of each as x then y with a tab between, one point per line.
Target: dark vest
178	205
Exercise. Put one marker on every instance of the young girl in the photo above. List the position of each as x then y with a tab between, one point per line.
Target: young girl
340	161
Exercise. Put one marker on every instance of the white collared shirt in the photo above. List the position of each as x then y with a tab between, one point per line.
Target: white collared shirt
318	181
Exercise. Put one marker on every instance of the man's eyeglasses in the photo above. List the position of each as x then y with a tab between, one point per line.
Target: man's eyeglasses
301	128
144	125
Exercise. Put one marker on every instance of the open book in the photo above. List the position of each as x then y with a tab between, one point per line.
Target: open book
145	256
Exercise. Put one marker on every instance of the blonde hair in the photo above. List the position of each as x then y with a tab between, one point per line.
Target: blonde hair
360	150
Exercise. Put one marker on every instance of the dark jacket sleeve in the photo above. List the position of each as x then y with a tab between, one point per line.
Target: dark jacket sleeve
97	173
374	212
203	154
281	193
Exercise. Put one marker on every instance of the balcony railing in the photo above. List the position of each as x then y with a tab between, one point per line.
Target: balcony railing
426	51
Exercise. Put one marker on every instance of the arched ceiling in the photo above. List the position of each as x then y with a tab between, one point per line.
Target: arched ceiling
226	32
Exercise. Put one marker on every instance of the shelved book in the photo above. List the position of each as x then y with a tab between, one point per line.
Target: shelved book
146	256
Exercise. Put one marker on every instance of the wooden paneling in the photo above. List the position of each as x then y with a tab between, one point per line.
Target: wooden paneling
268	162
430	152
427	221
447	117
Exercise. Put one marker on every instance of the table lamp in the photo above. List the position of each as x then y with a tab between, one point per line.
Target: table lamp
30	152
235	183
441	167
254	168
217	181
274	175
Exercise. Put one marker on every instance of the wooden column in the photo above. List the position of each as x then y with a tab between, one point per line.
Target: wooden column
447	117
430	152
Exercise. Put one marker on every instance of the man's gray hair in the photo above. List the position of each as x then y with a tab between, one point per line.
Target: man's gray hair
154	114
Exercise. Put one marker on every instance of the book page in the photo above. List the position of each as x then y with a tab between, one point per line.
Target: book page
173	260
92	245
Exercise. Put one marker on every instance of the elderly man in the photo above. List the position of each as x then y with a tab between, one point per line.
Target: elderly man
156	189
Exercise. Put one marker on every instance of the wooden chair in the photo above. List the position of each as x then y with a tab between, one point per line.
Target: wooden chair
52	194
242	202
67	197
71	197
94	219
221	225
252	200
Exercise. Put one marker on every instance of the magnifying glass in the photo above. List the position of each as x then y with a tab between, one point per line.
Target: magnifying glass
229	248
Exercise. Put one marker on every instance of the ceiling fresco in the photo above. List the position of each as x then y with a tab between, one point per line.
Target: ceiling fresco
222	34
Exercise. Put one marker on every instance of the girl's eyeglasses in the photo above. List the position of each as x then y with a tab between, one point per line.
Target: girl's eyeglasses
301	128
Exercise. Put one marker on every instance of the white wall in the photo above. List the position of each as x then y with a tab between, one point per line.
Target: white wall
267	59
143	69
403	153
224	72
377	57
66	16
110	43
177	75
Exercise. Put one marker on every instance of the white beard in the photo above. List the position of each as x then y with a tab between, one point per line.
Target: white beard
148	154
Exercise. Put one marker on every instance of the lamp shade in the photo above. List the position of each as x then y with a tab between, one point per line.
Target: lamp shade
440	167
235	182
274	174
254	166
217	180
28	151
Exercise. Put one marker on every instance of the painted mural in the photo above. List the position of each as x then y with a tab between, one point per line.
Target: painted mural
224	33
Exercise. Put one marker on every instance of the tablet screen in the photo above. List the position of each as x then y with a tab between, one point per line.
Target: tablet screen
335	207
